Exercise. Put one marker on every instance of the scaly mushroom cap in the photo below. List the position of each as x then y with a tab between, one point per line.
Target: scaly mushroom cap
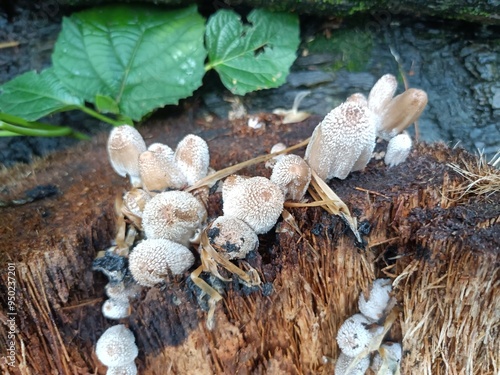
158	173
276	148
358	98
116	346
125	144
129	369
232	237
231	182
192	158
292	174
381	93
374	305
115	309
163	150
344	361
154	259
257	201
402	111
398	149
173	215
135	200
343	141
354	336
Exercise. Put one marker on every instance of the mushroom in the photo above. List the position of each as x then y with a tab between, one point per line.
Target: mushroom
116	308
387	360
173	215
293	115
276	148
374	306
125	144
116	346
343	141
153	259
358	98
135	200
355	335
129	369
232	237
292	174
381	93
257	201
159	173
398	149
344	361
192	158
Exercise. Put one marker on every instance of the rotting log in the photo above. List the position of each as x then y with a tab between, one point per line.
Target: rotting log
440	246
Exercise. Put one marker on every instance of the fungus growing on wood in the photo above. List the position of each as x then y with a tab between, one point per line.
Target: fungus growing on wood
398	149
232	237
292	174
174	215
192	158
116	309
159	173
125	144
343	141
375	304
129	369
154	259
116	346
344	361
355	335
257	201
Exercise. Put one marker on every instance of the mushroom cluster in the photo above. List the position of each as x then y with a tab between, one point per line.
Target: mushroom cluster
363	333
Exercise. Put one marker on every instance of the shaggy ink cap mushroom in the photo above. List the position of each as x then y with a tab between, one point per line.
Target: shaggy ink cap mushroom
276	148
135	200
115	309
161	149
116	346
374	306
344	361
355	335
173	215
192	157
381	93
128	369
343	141
232	237
293	175
398	149
257	201
125	144
158	173
154	259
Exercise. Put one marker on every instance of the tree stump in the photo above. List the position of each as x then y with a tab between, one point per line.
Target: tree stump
439	244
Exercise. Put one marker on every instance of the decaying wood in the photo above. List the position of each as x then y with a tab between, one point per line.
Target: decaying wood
440	246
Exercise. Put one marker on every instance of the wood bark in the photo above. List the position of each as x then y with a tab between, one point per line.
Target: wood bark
440	247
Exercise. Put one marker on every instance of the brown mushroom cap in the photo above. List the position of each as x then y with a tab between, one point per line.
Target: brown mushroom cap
192	158
381	93
232	237
293	175
125	144
158	173
173	215
154	259
343	141
257	201
116	346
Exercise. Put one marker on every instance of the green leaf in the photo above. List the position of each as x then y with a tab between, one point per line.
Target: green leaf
105	104
32	96
143	58
252	57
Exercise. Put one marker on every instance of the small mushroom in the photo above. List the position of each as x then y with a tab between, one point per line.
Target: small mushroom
387	360
173	215
125	144
129	369
232	237
355	335
159	173
381	93
344	361
257	201
292	174
153	259
135	200
116	309
192	158
116	346
374	306
161	149
293	115
276	148
343	141
358	98
398	149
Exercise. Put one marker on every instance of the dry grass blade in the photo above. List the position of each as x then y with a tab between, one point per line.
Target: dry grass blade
9	44
209	180
214	296
320	191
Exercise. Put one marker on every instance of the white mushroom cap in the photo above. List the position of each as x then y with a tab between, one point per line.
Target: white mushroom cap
343	141
192	158
116	346
232	182
153	259
158	173
374	306
128	369
292	174
135	200
354	335
391	361
163	150
401	112
358	98
232	237
276	148
398	149
344	361
120	291
381	93
125	144
257	201
115	309
173	215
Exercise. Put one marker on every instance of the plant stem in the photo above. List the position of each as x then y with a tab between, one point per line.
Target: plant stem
98	116
18	126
